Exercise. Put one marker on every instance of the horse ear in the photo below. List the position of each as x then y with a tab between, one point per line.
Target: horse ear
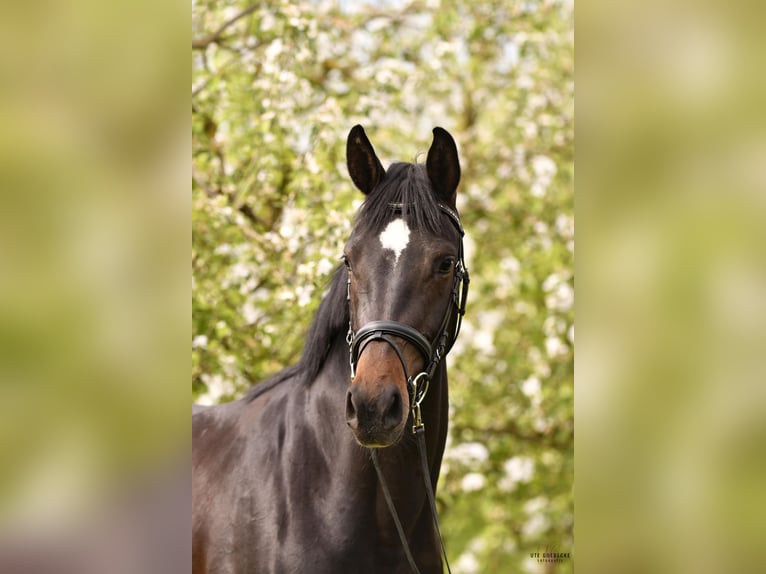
363	165
443	166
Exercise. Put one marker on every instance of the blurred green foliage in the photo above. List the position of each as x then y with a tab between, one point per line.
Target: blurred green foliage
671	401
275	89
93	252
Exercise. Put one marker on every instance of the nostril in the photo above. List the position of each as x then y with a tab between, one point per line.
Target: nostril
392	415
350	409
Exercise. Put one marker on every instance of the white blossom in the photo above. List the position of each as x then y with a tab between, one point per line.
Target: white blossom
531	388
518	469
217	387
468	453
473	481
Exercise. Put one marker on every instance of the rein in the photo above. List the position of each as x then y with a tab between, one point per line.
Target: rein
433	353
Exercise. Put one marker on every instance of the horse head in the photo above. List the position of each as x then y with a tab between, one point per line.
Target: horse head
406	283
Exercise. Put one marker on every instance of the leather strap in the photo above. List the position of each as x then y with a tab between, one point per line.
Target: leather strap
374	329
392	511
421	440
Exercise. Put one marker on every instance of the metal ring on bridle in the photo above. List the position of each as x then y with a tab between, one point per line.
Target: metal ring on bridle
419	394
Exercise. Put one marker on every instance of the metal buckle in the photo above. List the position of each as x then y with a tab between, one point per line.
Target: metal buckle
418	394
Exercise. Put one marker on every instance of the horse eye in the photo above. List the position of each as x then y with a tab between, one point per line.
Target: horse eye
344	258
446	265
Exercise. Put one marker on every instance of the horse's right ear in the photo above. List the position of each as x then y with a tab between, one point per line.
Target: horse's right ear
363	165
443	166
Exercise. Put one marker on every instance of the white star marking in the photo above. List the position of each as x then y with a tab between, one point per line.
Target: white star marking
395	237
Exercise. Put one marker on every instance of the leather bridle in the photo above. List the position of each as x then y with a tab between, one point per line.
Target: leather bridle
432	352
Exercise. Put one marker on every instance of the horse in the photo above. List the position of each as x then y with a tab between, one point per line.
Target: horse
318	468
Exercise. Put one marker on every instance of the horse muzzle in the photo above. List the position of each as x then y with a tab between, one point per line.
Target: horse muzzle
377	402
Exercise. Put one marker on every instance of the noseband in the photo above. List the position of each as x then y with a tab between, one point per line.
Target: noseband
432	352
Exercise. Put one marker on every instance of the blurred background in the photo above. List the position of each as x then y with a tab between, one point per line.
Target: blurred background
94	277
276	89
94	312
671	307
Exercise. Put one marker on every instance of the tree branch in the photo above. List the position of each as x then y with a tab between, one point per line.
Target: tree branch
512	429
243	208
205	41
197	177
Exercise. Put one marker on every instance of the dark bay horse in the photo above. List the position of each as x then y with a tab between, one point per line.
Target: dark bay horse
282	479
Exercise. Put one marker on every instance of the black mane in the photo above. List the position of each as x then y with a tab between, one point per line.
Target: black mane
406	190
330	322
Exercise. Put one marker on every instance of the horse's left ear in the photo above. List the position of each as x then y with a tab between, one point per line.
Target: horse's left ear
443	166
